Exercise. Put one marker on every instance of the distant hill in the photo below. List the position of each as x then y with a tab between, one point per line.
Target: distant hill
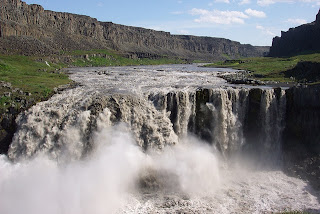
31	30
299	40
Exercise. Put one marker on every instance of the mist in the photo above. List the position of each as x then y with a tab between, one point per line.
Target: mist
70	154
103	181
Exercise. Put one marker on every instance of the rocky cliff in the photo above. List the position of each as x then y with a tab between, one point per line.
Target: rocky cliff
29	29
301	133
302	39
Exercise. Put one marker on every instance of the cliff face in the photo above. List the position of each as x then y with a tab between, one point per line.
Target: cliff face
29	29
302	121
304	38
133	39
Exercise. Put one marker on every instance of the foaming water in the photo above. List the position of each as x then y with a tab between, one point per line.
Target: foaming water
151	139
105	180
118	177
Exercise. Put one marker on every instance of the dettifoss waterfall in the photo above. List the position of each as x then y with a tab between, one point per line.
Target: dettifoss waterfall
152	139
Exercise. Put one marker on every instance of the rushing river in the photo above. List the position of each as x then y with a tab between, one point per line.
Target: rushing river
152	139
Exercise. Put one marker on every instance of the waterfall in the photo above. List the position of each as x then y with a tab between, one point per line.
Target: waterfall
156	140
219	116
273	106
65	125
179	106
228	108
232	119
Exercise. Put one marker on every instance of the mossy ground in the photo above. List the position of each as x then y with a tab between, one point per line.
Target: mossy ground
268	68
30	79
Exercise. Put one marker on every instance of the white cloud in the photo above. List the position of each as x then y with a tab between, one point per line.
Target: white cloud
244	2
265	2
296	21
311	1
268	2
260	27
100	4
218	17
265	30
255	13
222	1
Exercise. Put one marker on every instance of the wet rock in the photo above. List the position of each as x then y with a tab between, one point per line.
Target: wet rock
7	94
152	180
5	84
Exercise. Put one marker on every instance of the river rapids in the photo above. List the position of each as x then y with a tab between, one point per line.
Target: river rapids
152	139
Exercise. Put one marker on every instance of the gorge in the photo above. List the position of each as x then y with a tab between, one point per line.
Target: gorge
172	138
31	30
154	139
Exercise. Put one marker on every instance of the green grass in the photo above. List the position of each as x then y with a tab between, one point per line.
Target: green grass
31	75
115	59
121	61
93	51
268	68
27	76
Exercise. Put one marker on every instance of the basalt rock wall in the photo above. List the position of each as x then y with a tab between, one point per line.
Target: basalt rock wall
29	29
302	39
301	134
134	39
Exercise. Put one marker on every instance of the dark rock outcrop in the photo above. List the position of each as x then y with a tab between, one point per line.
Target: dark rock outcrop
301	134
301	137
299	40
305	72
7	130
29	29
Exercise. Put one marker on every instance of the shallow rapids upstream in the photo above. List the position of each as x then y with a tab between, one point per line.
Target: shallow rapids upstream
152	139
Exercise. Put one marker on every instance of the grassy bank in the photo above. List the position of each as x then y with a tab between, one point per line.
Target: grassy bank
26	80
268	68
96	58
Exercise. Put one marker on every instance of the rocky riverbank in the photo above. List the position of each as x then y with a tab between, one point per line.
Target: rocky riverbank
246	78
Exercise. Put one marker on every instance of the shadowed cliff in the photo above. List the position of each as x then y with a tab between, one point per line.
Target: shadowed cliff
299	40
29	29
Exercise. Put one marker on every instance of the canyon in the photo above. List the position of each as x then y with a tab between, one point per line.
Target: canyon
31	30
170	138
145	139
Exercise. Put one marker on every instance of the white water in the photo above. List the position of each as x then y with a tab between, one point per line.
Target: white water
83	150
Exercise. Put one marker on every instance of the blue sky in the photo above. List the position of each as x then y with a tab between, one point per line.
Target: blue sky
253	22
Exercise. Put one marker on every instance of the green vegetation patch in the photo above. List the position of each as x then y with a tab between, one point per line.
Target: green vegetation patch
26	78
268	68
98	58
